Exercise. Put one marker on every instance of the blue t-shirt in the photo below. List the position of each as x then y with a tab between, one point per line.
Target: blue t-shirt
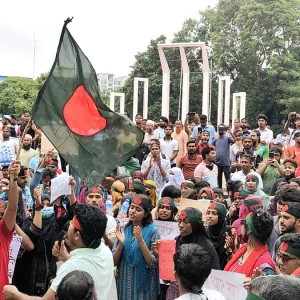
222	145
209	128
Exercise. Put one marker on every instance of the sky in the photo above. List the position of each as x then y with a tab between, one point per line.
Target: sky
110	33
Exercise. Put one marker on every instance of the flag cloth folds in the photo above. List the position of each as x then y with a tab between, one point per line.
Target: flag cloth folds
93	139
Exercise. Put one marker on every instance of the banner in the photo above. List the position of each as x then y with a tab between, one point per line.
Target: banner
167	230
13	254
166	250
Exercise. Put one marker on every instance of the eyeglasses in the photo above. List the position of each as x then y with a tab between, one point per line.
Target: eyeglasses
285	258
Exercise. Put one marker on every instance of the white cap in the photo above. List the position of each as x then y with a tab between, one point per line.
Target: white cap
7	117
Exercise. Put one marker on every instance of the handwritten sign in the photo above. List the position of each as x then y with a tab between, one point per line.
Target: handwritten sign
13	254
227	283
123	222
60	186
166	250
202	205
167	230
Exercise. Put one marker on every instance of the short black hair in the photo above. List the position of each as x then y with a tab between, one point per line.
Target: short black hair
93	222
193	265
291	238
276	150
171	191
191	141
263	224
76	285
297	180
262	116
288	195
156	141
139	114
206	151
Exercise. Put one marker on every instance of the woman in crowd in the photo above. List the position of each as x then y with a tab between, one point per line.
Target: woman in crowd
193	231
136	262
150	191
117	190
76	285
188	190
234	209
254	253
172	192
206	194
175	178
251	186
166	210
36	268
216	229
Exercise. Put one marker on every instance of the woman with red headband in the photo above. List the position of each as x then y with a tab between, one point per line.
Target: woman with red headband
254	253
136	262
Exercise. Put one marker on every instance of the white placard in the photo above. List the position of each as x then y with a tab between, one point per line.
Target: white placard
60	186
229	284
167	230
13	254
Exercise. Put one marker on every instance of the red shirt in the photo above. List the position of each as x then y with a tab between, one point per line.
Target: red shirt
5	240
200	147
289	151
189	165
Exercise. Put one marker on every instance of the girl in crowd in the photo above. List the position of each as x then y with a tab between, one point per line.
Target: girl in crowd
150	191
251	186
175	178
188	190
192	230
206	194
136	262
117	190
76	285
254	253
166	210
234	209
216	230
172	192
36	268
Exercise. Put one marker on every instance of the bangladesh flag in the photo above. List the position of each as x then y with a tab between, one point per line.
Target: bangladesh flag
93	139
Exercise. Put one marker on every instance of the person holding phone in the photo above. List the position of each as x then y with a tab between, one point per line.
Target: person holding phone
205	126
270	169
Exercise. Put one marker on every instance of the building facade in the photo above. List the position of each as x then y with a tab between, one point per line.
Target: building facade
110	81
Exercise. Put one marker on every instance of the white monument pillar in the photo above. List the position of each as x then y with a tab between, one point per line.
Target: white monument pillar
235	97
145	97
224	80
122	101
186	78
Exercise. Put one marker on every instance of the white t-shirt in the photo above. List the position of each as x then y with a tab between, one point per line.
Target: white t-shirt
239	175
168	148
210	295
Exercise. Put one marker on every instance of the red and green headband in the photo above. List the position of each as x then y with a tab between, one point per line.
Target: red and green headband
76	223
166	201
252	200
290	163
286	247
219	207
292	209
251	177
187	184
251	226
144	202
155	146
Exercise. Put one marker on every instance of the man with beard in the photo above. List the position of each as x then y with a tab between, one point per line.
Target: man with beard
27	153
236	125
266	133
150	133
156	168
247	149
207	170
237	146
190	161
143	124
261	150
245	126
4	171
293	152
204	126
202	141
163	121
247	165
289	168
22	184
6	139
222	144
270	169
138	120
289	222
182	138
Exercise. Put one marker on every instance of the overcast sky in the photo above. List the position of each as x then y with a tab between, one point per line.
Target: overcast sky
109	32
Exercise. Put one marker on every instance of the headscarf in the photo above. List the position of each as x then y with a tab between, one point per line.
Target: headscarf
199	235
174	179
259	194
210	193
151	186
217	233
138	187
170	202
117	190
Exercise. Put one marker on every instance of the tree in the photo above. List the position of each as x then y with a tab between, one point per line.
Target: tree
17	95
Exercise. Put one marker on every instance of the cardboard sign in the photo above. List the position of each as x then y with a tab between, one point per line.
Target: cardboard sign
202	205
59	186
167	230
166	250
13	254
229	284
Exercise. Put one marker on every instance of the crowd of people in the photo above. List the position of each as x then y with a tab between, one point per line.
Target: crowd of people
102	242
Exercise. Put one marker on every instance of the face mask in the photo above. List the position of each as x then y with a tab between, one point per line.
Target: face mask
47	212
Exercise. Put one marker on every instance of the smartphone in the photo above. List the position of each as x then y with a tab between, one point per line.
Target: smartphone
199	129
271	155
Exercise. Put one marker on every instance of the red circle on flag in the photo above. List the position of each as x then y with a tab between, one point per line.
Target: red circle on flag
284	246
285	208
82	115
137	201
183	215
165	201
